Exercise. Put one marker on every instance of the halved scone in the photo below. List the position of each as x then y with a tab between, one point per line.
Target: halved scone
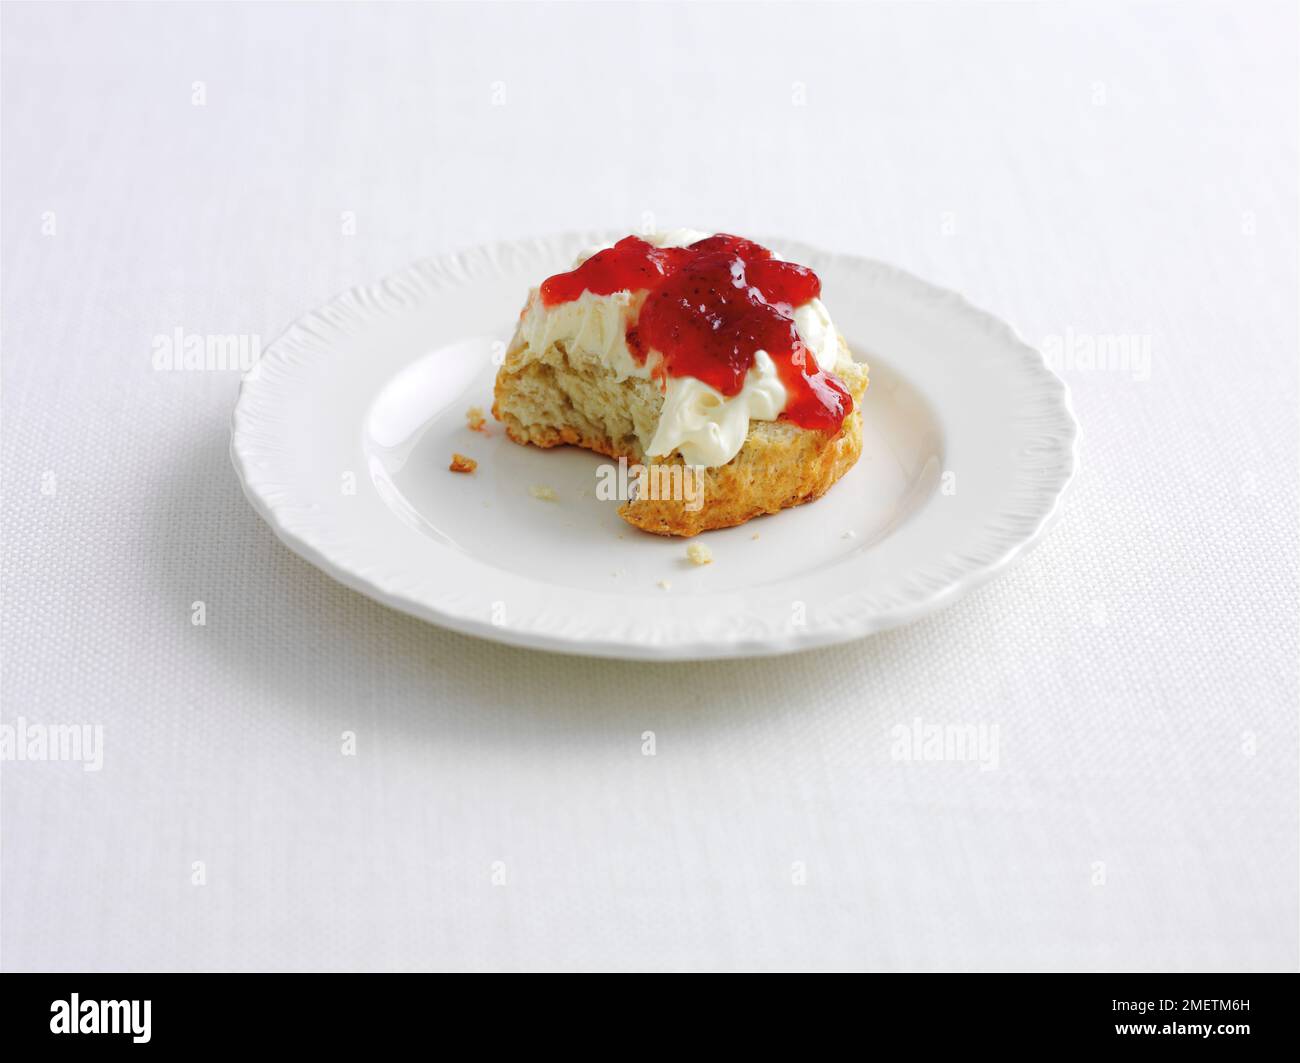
717	441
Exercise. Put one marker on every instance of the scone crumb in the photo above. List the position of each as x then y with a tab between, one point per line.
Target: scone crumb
754	536
546	494
664	585
460	463
475	418
699	554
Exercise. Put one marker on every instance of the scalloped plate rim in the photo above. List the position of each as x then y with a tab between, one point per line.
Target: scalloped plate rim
786	642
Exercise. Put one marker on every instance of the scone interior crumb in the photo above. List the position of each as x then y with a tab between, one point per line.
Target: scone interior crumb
460	463
475	418
664	585
699	554
546	494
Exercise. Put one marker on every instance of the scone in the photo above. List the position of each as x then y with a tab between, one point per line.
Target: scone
707	363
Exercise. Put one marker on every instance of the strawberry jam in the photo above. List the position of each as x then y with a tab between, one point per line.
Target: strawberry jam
709	308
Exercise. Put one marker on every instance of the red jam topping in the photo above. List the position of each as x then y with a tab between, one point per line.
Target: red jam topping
710	307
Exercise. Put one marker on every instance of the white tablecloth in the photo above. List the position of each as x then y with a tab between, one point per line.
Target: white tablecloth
1115	179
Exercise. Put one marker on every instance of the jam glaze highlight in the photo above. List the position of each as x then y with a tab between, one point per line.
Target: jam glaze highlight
709	308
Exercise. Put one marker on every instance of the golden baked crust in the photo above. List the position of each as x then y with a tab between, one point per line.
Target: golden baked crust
779	466
548	400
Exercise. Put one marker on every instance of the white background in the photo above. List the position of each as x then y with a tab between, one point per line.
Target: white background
1081	170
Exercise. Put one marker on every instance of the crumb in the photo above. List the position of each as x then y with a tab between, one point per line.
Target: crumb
664	585
541	491
699	554
475	419
754	536
460	463
849	535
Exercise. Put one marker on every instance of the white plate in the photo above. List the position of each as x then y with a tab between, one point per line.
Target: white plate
345	427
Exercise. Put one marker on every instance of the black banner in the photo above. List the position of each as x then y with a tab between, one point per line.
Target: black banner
1203	1014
